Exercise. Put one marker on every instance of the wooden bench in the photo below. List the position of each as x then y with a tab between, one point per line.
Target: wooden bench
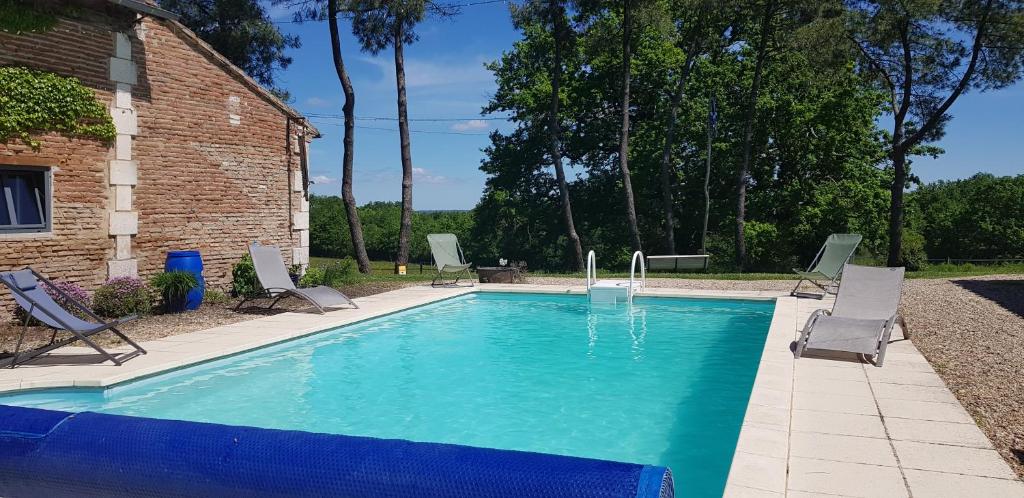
678	262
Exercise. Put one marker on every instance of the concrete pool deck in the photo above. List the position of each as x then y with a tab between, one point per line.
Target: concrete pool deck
814	426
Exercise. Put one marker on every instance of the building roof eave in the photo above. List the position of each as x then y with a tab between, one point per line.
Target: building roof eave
145	8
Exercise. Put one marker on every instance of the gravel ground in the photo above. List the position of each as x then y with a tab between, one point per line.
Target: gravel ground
972	332
970	329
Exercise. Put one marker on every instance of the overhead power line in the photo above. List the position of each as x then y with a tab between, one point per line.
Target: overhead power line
386	118
447	6
431	132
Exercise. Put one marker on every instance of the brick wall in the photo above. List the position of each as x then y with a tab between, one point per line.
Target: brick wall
205	182
213	165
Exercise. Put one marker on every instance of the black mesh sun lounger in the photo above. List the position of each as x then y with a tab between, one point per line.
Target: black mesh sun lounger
29	292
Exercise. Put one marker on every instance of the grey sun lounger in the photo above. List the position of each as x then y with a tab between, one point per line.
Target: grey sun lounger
29	290
863	316
276	283
448	259
827	266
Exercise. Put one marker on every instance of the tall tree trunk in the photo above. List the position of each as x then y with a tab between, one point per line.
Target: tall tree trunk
666	157
355	226
748	137
627	184
555	133
707	192
899	166
405	231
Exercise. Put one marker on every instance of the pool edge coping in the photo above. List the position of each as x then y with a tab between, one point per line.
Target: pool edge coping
769	408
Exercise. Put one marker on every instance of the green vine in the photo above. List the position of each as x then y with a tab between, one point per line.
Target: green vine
19	17
37	102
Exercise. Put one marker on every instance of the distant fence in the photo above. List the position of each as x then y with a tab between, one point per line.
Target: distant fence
984	261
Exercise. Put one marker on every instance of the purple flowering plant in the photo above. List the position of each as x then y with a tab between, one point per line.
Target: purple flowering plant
123	296
70	288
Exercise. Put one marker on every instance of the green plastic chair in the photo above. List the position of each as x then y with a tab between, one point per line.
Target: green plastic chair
448	259
827	266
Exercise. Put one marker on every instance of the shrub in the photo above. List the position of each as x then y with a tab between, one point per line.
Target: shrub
912	254
722	249
333	274
314	276
214	296
174	286
763	244
244	282
339	273
123	296
69	288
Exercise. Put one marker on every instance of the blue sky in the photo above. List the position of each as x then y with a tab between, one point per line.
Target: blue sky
446	79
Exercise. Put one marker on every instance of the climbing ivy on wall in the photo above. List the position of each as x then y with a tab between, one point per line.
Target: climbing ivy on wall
37	102
19	17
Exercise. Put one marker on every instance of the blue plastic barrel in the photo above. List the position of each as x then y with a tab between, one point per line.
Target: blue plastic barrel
192	262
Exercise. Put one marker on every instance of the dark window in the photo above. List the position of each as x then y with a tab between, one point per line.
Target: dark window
24	199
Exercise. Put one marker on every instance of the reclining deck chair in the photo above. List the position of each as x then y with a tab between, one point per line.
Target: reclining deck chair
827	266
863	316
448	258
29	292
276	283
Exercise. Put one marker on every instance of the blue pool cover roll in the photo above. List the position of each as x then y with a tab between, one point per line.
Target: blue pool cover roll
56	454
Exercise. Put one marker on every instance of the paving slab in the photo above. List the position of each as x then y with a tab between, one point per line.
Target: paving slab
928	431
925	484
952	459
924	410
845	478
844	424
913	393
842	448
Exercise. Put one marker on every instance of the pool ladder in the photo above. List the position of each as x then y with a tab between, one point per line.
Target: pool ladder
615	291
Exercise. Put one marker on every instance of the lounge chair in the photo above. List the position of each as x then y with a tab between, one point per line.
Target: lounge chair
863	316
448	258
827	266
276	283
29	292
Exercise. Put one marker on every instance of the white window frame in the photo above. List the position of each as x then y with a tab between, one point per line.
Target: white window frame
45	199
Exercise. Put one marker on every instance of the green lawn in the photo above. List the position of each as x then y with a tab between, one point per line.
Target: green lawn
384	271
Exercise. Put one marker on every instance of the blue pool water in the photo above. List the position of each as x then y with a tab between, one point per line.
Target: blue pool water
665	381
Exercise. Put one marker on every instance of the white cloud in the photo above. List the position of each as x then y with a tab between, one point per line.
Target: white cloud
424	176
473	124
419	175
318	102
323	180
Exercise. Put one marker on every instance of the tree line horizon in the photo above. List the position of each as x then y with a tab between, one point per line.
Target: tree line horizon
821	107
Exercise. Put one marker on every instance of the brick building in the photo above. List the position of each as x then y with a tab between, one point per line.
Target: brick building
204	159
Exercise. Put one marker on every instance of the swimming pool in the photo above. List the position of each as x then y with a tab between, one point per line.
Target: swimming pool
665	381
